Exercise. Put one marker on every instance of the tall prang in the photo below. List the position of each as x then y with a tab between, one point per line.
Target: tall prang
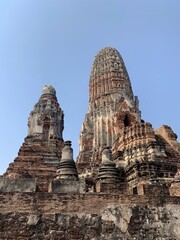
40	154
144	159
112	106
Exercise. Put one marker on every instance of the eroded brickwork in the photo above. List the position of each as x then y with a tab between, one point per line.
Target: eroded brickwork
111	102
40	153
142	156
88	216
127	181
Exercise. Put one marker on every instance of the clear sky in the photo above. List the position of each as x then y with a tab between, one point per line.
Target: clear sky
54	42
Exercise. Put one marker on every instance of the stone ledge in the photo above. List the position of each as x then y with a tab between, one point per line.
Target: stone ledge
67	186
17	185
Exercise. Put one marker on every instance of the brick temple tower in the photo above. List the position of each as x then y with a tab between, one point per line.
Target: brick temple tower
112	105
40	153
143	158
47	119
44	195
119	152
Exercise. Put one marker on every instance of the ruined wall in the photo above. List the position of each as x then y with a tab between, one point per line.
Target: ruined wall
88	216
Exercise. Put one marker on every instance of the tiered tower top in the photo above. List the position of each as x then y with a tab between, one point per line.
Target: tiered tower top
47	119
48	89
109	79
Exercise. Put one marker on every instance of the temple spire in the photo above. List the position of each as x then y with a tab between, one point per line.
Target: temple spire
47	119
112	105
109	80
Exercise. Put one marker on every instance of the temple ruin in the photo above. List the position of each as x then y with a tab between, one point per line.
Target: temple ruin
125	183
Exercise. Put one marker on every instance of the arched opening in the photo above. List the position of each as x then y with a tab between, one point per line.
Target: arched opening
126	121
135	191
46	127
45	133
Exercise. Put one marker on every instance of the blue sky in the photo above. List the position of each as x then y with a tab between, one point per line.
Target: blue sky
54	42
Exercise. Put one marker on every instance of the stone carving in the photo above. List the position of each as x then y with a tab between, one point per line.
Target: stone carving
47	119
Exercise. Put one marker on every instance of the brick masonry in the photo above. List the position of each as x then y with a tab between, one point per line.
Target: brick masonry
127	181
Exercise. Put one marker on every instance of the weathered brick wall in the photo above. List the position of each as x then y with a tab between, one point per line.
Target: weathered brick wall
81	203
88	216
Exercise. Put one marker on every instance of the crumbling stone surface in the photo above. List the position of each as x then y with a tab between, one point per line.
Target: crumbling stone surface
67	186
111	102
169	137
175	185
47	118
17	185
36	160
127	182
114	120
40	153
120	222
33	219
